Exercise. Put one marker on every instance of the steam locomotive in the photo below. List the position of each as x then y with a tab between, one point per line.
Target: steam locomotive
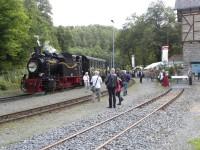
48	72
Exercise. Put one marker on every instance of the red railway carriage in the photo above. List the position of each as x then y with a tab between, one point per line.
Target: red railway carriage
50	71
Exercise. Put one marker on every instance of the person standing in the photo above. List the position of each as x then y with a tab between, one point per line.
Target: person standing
141	75
96	81
119	89
165	81
190	76
111	82
86	80
160	77
125	80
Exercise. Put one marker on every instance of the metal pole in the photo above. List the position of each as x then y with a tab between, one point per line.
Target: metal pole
113	48
113	52
168	35
111	61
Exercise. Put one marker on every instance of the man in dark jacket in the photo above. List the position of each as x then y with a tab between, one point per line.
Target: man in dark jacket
111	83
141	75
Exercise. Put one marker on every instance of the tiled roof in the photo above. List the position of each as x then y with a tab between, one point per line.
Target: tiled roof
185	4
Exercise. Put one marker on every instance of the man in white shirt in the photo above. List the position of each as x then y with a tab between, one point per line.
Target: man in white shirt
96	83
86	80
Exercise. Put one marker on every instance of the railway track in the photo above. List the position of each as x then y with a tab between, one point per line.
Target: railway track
23	96
14	98
161	102
44	109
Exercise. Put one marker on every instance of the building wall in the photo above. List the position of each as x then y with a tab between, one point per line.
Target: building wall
191	53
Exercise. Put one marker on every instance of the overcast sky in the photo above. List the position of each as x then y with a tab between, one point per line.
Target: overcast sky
86	12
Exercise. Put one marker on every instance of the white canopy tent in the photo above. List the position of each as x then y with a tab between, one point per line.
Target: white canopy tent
154	65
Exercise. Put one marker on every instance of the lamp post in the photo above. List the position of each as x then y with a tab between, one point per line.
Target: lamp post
113	52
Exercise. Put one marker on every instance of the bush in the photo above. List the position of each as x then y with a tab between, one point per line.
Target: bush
11	79
3	86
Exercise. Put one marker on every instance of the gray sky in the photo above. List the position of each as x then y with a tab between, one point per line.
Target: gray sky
86	12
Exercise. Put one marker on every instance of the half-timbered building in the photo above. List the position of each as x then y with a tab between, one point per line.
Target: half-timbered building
188	12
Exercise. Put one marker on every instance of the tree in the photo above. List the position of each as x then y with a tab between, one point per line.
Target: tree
64	38
39	12
144	35
14	25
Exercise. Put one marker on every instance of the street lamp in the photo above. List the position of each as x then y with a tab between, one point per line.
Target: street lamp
113	52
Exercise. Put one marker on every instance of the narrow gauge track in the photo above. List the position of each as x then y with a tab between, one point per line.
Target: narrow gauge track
14	98
168	96
23	96
44	109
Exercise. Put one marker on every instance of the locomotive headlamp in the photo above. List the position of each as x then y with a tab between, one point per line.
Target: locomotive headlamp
32	66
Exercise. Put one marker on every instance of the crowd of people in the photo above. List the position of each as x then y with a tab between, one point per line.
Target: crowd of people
117	83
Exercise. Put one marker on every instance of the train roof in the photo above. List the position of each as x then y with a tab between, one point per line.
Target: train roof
93	58
187	4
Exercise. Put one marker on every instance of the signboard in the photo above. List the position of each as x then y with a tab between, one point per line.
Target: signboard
195	68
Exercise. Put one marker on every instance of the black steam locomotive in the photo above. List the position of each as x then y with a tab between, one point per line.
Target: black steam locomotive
51	71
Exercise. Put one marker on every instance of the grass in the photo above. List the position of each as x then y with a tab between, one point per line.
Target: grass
10	81
195	143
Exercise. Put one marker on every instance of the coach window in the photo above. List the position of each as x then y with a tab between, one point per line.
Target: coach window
99	63
95	63
92	63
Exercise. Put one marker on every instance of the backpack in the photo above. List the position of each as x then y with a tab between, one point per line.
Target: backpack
111	81
128	77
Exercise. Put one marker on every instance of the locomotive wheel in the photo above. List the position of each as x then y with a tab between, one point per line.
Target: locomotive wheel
50	86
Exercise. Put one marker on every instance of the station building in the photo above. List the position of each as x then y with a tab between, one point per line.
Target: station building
188	12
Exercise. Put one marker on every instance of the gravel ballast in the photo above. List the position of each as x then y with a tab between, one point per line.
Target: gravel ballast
168	129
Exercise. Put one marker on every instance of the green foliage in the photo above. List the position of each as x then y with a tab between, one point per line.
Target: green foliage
14	26
90	36
39	13
64	38
93	40
20	21
195	143
11	79
3	85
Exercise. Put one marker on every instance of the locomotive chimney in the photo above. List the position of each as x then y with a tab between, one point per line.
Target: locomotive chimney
38	48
